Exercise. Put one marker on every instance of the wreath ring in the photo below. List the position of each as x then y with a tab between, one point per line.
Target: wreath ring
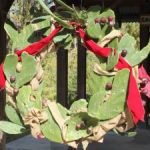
22	74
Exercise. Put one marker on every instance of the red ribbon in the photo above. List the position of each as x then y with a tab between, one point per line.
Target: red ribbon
2	78
37	47
134	101
91	45
32	49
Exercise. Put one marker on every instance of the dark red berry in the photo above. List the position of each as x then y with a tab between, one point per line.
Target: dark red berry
124	53
108	86
110	18
80	126
12	79
97	20
103	20
144	82
56	24
40	136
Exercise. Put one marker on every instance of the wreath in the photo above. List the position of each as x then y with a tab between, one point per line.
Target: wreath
115	102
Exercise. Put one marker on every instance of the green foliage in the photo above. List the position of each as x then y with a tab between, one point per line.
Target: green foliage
72	75
12	114
113	57
112	61
10	66
62	22
80	118
63	111
133	57
95	82
23	100
28	99
27	73
138	56
98	30
99	104
133	28
51	130
49	79
64	38
79	105
11	128
93	30
31	33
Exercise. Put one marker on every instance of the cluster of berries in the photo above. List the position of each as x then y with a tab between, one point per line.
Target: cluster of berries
105	20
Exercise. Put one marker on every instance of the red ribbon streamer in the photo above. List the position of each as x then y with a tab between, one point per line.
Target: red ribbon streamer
91	45
37	47
32	49
2	78
134	101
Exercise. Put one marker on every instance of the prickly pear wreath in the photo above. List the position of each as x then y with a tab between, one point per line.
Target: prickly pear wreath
115	102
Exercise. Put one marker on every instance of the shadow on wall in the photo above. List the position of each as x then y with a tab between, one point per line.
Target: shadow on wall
114	142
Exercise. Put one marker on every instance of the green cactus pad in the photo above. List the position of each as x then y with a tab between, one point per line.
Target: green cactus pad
138	56
75	134
79	105
12	115
28	69
10	67
134	56
25	102
98	108
64	38
112	60
64	111
51	130
11	128
30	33
97	30
97	83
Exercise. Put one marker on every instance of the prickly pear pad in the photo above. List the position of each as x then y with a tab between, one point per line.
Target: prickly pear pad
114	101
